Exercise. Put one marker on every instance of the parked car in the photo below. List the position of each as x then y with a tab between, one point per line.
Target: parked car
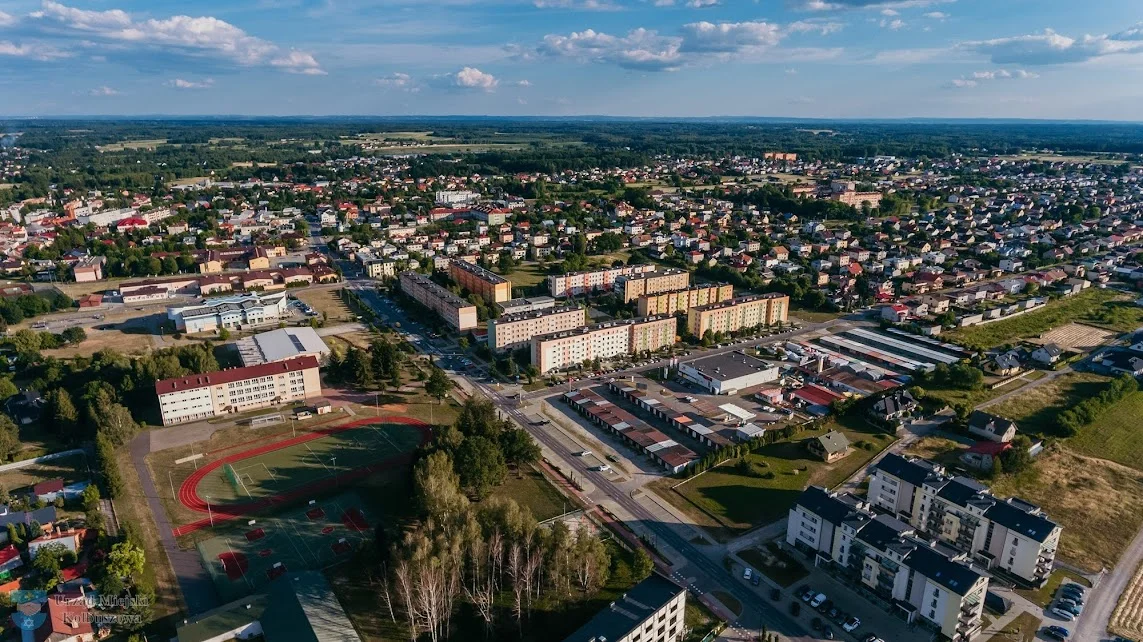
602	468
1057	632
807	594
824	607
775	594
757	579
1066	616
795	609
871	638
583	453
818	600
827	633
816	624
746	574
851	624
832	612
1069	606
1073	589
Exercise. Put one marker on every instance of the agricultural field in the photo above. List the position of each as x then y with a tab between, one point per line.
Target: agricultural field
1107	309
1115	434
1035	410
150	143
1127	618
1076	337
728	502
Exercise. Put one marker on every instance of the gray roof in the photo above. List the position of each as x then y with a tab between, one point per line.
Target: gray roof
1020	518
627	613
281	344
732	365
833	442
954	576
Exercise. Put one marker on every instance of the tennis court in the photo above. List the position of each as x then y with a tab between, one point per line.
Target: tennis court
311	537
291	469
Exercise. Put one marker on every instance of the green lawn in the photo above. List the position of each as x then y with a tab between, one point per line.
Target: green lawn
1035	410
811	316
1104	308
1043	596
1022	629
531	490
973	398
726	500
1116	435
775	563
527	275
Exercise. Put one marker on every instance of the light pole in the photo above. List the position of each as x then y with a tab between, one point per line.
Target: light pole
208	511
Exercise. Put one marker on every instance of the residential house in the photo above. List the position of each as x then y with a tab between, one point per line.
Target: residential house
1047	354
830	447
991	427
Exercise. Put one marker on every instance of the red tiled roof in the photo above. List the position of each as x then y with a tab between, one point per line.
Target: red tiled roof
50	486
993	448
64	618
192	382
816	395
8	553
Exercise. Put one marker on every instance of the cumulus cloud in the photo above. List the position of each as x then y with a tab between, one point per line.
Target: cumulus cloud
814	25
978	77
839	5
581	5
7	19
936	15
473	78
699	4
730	37
1052	48
181	83
103	91
396	80
185	35
639	49
892	25
32	51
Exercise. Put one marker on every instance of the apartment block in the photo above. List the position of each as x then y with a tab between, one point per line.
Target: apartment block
491	287
601	341
739	314
457	312
651	611
513	331
1011	536
202	396
926	582
683	300
577	283
634	286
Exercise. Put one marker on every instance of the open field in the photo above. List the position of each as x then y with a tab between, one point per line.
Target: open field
461	148
150	143
1035	410
188	181
1115	435
974	398
76	290
943	451
1076	337
1098	503
384	136
527	275
69	469
532	491
111	339
7	185
1104	308
328	305
1021	629
1127	618
1044	595
729	502
813	316
774	563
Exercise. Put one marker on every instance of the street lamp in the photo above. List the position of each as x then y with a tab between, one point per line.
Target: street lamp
208	511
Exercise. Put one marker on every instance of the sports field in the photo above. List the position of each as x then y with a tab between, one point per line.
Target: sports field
311	537
249	481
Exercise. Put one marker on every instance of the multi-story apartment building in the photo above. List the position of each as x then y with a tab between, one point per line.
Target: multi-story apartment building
601	341
457	312
196	397
930	583
1011	536
738	314
683	300
633	286
577	283
233	312
513	331
651	611
491	287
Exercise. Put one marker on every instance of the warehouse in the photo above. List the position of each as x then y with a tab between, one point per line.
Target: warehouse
726	374
281	344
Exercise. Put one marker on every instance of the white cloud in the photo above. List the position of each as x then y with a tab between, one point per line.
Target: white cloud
1051	48
936	15
181	83
791	72
838	5
33	51
103	91
700	4
473	78
523	83
396	80
814	25
978	77
892	25
581	5
7	19
639	49
890	12
186	35
730	37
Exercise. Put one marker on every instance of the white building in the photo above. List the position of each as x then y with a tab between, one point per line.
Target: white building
280	345
196	397
651	611
577	283
601	341
513	331
232	312
451	198
726	374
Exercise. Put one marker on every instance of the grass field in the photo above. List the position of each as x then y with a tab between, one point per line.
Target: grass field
1035	410
973	398
149	143
938	449
728	502
531	490
1098	503
528	275
1103	308
327	303
1115	435
811	316
70	469
1021	629
774	563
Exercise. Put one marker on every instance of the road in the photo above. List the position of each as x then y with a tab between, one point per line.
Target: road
1101	600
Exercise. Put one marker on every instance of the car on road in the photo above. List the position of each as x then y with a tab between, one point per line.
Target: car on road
583	453
1057	632
612	458
1066	616
827	633
818	600
747	574
795	609
602	468
775	594
757	579
872	637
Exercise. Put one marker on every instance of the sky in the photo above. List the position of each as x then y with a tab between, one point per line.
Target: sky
1059	59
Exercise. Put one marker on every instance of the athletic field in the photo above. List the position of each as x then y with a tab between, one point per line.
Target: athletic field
296	468
312	536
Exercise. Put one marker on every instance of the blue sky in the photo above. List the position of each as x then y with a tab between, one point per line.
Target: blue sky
810	58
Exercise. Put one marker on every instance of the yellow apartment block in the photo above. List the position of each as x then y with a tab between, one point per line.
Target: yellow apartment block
737	314
683	300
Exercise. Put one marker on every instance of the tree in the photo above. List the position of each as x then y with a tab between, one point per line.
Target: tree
436	486
480	465
643	565
74	334
126	560
116	423
48	564
1017	459
90	498
223	334
61	413
7	388
359	369
519	447
438	384
9	445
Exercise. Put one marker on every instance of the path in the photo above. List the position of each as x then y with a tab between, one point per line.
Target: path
1101	600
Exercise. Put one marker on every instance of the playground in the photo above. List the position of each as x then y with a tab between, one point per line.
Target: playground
313	536
297	468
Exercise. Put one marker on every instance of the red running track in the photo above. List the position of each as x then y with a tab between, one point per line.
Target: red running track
188	491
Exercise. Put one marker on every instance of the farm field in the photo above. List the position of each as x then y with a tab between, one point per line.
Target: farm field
1115	435
1098	503
1035	410
1106	309
1075	336
149	143
1127	618
727	502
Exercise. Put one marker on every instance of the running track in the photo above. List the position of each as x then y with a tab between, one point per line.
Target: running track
188	491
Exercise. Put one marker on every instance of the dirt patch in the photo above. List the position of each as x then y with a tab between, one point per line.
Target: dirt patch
1098	503
113	339
395	407
1076	337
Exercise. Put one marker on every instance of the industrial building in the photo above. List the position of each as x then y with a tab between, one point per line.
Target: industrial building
488	285
280	345
530	304
513	331
726	374
637	433
211	394
739	314
457	312
683	300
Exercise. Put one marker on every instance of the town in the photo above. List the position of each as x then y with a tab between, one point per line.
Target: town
371	393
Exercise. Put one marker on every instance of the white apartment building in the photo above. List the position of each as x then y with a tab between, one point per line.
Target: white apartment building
202	396
651	611
513	331
601	341
930	584
1011	536
232	312
456	197
577	283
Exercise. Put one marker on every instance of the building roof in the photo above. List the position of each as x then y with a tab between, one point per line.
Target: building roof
64	620
626	614
882	531
953	575
816	395
828	506
981	420
191	382
1025	519
992	448
8	553
913	471
725	367
50	486
280	345
833	442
